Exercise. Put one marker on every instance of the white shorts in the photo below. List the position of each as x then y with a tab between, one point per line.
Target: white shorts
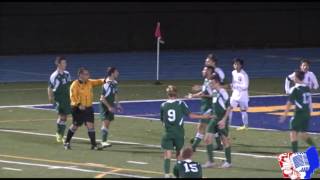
243	103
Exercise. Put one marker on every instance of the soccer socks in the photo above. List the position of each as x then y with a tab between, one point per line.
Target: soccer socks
310	142
294	145
166	166
210	152
104	134
197	140
61	126
92	136
244	116
69	135
227	152
218	140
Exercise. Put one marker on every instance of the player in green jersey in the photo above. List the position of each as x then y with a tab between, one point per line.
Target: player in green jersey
172	113
109	103
300	96
186	168
220	110
59	95
206	104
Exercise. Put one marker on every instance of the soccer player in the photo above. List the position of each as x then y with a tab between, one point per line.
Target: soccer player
211	60
172	113
220	110
58	94
240	95
309	78
109	103
186	168
206	100
81	96
300	96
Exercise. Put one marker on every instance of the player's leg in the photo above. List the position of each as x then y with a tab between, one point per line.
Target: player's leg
201	128
217	137
244	115
227	146
234	104
106	118
167	146
61	126
77	121
209	145
294	141
89	121
307	139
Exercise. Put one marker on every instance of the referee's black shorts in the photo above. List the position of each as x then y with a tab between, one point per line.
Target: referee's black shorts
82	116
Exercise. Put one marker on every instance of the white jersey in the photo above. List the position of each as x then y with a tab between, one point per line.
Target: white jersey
240	85
220	73
309	79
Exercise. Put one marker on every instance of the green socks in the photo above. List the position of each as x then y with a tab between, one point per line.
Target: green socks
227	152
294	145
104	133
61	126
210	152
166	166
196	143
310	142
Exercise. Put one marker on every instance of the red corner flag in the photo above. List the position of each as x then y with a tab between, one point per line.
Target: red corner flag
158	32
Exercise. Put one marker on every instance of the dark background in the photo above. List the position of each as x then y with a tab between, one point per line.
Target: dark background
108	27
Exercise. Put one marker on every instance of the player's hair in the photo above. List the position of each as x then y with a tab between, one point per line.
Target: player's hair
59	59
172	91
82	70
110	71
213	58
186	152
303	60
211	68
238	60
215	77
299	74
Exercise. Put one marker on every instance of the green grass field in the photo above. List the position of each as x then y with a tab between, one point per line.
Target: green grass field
29	149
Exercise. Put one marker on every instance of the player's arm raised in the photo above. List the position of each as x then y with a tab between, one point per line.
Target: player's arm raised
200	116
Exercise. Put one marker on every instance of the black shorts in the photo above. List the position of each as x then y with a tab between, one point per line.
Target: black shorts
82	116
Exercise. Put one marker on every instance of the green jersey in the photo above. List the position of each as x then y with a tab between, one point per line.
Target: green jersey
187	169
220	103
60	85
109	91
172	113
206	102
300	96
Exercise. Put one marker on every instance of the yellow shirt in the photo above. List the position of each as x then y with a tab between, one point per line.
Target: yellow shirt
81	92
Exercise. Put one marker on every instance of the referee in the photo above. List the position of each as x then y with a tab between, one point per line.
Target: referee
81	96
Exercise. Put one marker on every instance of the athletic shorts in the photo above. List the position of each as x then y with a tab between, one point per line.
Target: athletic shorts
82	116
172	142
299	123
213	128
243	104
105	114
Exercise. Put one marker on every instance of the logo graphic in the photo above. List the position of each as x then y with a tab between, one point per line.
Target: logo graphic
299	165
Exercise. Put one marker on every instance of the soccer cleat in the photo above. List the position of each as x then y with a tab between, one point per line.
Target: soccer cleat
105	144
226	165
242	128
67	146
209	164
96	147
167	176
59	138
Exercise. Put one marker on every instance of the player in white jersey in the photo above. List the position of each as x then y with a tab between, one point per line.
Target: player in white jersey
309	78
240	95
213	61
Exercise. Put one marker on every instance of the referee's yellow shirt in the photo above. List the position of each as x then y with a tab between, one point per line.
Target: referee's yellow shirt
81	92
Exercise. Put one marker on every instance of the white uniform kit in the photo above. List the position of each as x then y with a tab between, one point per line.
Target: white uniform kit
240	95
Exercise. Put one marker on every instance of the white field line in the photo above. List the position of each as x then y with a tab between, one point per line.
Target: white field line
137	162
11	169
148	100
134	143
69	168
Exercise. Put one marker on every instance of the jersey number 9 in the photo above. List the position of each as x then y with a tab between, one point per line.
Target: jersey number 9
171	115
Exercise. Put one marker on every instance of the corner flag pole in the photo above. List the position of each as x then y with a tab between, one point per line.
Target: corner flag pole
157	34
